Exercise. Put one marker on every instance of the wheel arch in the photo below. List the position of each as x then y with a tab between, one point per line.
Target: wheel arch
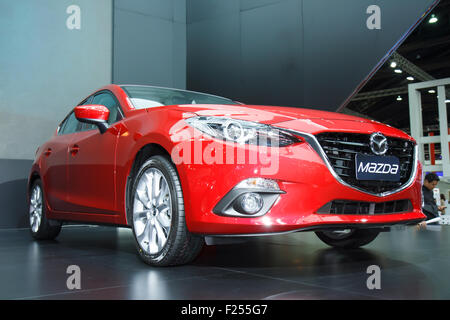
34	175
146	151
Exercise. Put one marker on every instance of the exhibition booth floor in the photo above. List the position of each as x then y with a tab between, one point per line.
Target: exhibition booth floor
412	264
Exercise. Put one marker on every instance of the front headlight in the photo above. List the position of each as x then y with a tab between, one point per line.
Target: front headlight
241	131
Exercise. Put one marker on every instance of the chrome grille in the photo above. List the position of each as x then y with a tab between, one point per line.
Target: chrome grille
341	150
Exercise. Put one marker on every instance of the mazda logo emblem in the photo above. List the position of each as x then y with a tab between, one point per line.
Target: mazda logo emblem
378	143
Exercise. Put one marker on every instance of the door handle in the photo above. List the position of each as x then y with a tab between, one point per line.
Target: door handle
48	152
74	150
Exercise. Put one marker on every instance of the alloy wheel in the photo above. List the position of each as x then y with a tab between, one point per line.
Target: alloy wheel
152	211
35	208
339	234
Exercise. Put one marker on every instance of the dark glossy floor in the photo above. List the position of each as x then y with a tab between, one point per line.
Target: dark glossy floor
414	265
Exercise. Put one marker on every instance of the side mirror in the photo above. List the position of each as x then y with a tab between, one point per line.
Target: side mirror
93	114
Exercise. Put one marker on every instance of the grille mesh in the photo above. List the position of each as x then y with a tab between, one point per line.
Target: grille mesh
341	150
365	208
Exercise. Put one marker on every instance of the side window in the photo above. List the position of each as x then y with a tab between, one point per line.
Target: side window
107	99
61	126
86	126
70	125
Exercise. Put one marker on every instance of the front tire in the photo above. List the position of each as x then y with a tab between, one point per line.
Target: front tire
348	238
41	228
158	217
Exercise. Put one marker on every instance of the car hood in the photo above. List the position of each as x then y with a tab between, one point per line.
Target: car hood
298	119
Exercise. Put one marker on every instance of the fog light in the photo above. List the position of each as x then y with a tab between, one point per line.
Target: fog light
251	202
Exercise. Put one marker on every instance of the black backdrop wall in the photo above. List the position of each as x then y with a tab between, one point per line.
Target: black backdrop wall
291	52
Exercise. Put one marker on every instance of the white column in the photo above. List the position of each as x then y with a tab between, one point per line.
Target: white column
443	128
415	118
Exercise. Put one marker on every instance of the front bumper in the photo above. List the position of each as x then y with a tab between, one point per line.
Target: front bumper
308	185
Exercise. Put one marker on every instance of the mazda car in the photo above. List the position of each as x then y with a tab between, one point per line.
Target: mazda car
179	166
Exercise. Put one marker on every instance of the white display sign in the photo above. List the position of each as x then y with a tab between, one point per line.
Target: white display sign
437	196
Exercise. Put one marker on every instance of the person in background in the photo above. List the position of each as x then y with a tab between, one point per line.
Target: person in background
430	209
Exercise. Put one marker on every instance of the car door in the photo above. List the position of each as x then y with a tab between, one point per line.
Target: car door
54	161
91	163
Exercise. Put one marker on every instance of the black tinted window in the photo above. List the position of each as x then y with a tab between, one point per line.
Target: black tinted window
86	126
106	99
70	125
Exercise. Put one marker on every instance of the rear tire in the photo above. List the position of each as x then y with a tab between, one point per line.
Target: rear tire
41	228
354	238
157	216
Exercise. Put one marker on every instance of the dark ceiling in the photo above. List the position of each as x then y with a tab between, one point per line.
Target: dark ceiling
428	50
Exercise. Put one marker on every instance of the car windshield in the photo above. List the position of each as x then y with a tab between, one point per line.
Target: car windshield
147	97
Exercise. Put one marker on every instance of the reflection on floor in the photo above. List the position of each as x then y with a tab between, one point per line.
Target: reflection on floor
414	265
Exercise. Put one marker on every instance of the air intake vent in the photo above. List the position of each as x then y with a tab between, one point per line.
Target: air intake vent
365	208
341	149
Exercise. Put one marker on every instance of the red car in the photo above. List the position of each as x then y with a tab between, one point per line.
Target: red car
176	166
